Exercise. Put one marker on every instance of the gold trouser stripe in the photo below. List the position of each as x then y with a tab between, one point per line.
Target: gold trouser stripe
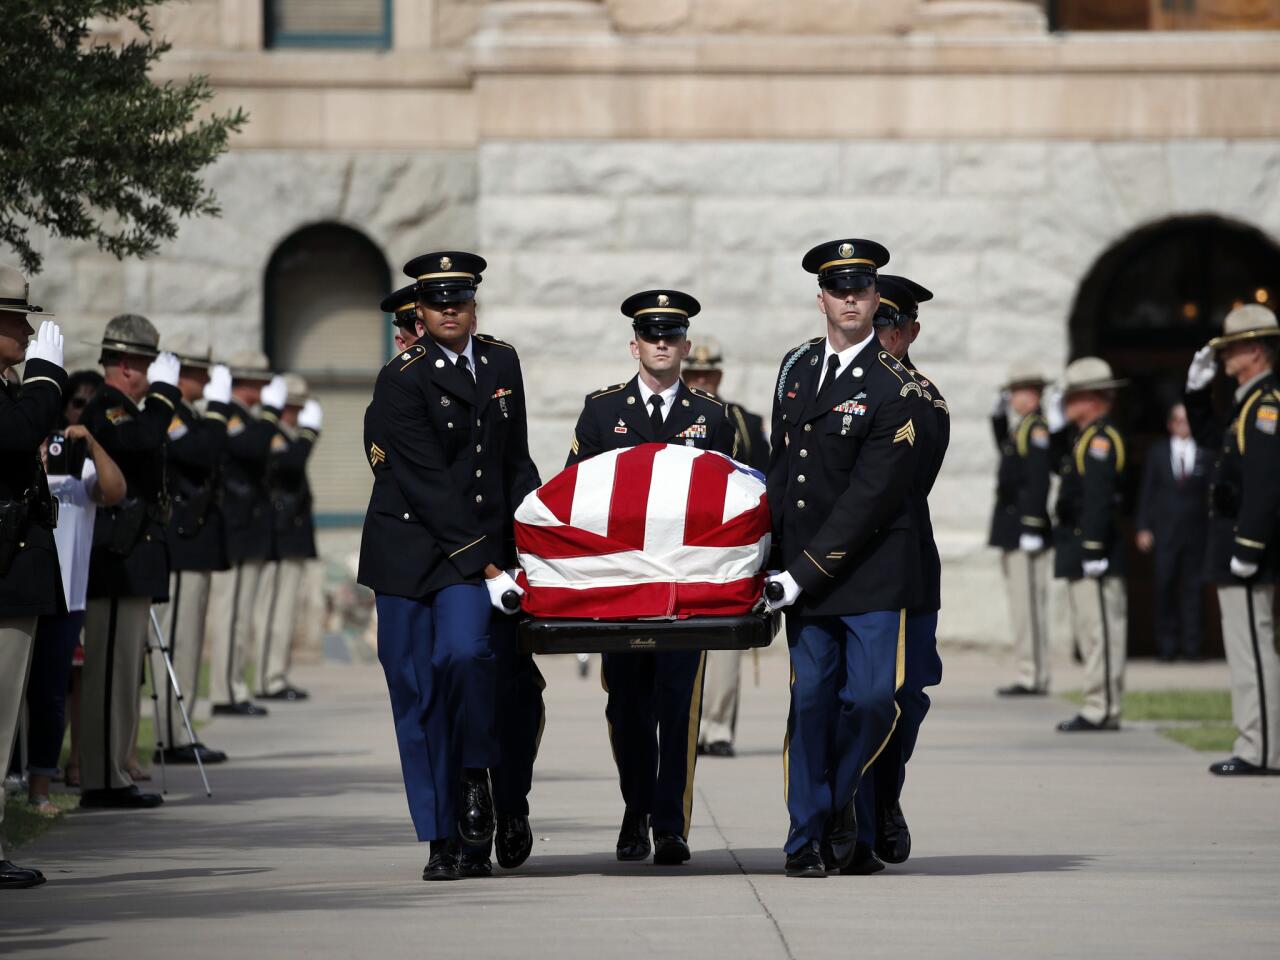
786	749
613	749
691	754
899	675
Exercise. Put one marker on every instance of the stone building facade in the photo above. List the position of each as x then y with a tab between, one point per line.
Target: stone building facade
589	149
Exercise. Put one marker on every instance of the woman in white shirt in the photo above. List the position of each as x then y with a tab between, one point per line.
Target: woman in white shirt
81	476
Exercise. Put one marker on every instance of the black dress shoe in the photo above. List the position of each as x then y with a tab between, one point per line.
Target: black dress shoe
1018	690
512	841
806	863
1079	724
474	862
669	849
721	748
119	798
838	846
893	837
241	708
14	877
443	864
187	754
289	694
475	823
1235	767
863	863
633	837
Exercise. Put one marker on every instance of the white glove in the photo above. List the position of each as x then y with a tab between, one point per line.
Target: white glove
275	393
1241	569
1001	406
1030	543
47	344
498	586
164	369
1096	568
1053	413
218	389
790	590
310	416
1203	366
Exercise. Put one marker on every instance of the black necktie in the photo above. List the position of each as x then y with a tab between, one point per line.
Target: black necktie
655	417
466	367
833	370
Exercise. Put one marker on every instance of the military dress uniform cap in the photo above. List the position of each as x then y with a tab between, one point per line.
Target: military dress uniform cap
447	276
660	313
1248	322
1025	373
900	299
849	264
191	349
705	355
249	365
131	334
15	292
402	305
1089	373
297	391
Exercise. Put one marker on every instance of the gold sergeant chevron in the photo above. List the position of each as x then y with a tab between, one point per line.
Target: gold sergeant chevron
906	432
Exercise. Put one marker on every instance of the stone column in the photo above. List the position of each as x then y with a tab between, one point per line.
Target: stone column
976	17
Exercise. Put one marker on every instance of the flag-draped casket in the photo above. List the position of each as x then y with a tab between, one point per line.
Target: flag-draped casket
656	530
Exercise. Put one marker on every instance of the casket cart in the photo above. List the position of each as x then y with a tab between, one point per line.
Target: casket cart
651	548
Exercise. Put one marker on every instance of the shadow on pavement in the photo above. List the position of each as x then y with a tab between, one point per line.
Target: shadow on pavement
983	865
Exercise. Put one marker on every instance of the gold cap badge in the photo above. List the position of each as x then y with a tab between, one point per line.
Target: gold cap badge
846	250
663	300
445	263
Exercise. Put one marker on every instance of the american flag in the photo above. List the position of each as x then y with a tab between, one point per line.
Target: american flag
657	530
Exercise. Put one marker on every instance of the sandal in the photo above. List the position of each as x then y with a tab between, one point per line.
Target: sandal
42	807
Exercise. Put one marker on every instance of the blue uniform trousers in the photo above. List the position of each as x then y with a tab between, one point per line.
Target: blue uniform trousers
654	708
440	675
845	672
922	668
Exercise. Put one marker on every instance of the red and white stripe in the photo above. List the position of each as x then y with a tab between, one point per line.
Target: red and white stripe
656	530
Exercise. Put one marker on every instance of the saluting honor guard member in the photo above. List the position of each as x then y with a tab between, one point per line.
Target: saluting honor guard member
703	371
654	699
883	834
197	542
1020	523
246	513
1088	547
447	438
30	578
846	415
1244	526
293	540
129	566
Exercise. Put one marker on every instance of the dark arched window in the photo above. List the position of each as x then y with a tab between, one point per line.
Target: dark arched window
321	319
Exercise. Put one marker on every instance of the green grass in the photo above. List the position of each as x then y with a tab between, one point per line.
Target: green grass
1204	716
22	824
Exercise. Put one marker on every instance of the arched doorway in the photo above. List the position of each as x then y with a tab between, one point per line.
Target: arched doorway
1146	305
322	288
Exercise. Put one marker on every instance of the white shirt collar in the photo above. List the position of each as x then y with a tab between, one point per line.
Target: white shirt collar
668	396
846	355
468	351
1183	453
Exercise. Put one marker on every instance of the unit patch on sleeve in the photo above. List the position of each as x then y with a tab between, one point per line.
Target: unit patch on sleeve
1040	437
118	415
1099	448
235	426
1266	418
177	429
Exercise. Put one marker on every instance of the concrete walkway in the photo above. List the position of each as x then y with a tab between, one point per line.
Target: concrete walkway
1028	843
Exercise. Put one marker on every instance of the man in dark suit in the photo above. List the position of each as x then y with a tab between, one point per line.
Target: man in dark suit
447	438
844	457
655	699
1173	525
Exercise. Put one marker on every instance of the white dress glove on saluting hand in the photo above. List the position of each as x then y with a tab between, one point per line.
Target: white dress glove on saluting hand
1096	568
310	416
1030	543
218	389
1203	367
500	585
1053	412
1241	569
164	369
47	344
790	590
274	393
